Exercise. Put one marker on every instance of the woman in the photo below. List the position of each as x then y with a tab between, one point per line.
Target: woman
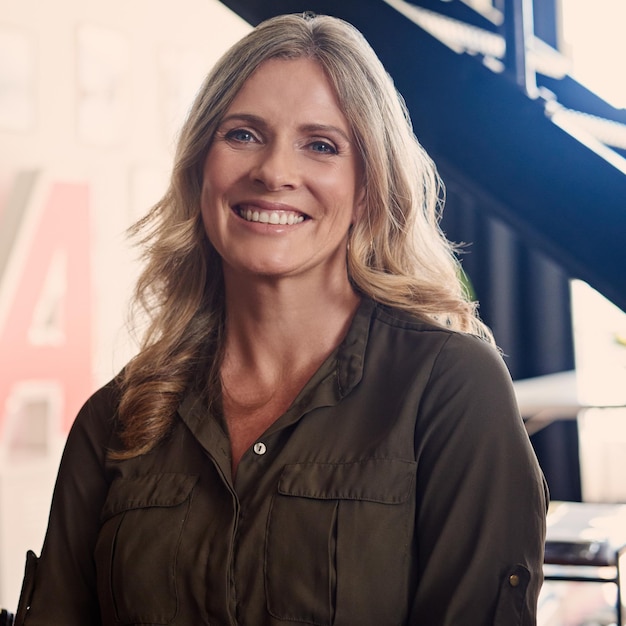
317	429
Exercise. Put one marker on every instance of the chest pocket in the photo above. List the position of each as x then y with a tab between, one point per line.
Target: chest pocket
142	522
338	543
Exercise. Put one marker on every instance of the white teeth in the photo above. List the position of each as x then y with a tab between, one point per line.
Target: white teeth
273	217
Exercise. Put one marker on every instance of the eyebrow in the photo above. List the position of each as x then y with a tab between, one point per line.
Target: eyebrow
313	127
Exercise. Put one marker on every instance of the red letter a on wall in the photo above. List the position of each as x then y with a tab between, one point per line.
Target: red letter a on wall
45	310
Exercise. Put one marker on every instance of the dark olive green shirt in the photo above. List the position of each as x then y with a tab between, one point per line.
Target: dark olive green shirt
399	489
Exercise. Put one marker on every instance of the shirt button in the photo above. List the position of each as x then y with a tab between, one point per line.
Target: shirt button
259	448
514	580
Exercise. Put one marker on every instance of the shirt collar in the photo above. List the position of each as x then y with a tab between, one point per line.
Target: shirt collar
351	352
335	379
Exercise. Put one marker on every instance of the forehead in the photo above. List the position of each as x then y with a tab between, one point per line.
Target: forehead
288	88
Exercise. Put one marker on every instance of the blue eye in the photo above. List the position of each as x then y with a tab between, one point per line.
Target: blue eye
240	134
323	147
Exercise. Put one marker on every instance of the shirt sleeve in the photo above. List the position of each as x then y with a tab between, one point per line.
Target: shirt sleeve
482	498
60	586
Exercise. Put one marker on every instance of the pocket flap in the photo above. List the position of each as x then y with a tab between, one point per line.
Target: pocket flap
388	481
162	490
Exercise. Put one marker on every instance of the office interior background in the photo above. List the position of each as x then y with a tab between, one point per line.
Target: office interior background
91	96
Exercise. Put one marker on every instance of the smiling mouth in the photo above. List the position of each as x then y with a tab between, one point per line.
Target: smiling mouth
271	217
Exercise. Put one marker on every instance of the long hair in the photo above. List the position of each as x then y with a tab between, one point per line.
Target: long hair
397	253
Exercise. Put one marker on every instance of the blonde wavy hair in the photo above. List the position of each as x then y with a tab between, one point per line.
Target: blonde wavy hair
397	255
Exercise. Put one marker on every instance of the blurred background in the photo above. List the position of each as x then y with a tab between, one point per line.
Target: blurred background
521	105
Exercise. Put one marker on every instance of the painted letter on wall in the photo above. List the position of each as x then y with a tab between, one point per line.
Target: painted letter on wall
45	310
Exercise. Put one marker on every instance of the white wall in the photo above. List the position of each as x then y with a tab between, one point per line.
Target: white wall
91	92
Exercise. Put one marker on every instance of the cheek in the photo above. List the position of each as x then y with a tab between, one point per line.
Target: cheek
339	188
214	185
215	173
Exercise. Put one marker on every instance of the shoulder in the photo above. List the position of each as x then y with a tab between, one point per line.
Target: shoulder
97	419
416	332
448	362
103	403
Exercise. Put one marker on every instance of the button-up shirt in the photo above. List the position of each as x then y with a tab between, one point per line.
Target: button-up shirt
400	488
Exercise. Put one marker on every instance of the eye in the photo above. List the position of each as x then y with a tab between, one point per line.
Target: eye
323	147
241	135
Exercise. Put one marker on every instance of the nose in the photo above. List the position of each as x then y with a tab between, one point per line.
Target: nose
277	167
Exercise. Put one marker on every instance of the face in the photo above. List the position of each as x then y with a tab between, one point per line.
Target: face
281	178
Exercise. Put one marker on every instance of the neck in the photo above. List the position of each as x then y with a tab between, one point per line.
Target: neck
278	333
278	325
